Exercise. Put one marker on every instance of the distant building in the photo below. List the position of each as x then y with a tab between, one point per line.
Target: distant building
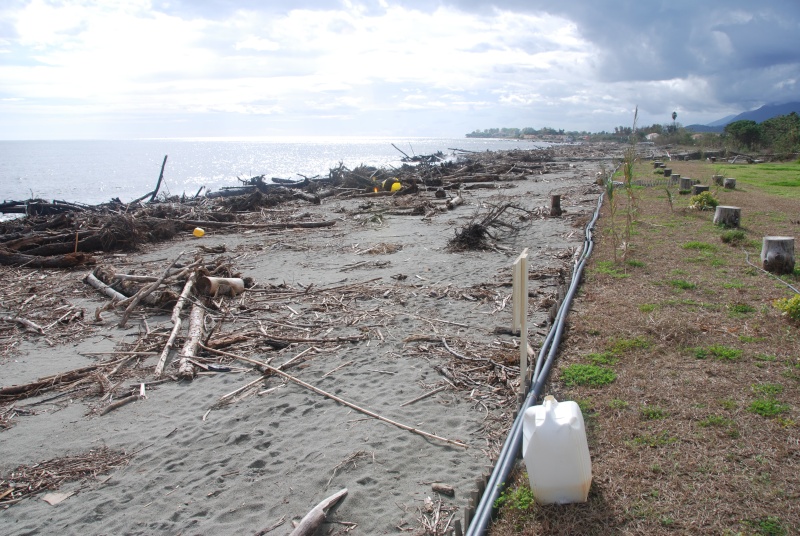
653	136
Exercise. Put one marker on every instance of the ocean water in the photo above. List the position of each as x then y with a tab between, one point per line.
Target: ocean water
96	171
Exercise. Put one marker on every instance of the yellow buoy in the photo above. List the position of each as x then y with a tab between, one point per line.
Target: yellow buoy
198	232
396	186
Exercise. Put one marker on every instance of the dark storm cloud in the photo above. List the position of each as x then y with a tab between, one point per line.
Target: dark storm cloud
730	44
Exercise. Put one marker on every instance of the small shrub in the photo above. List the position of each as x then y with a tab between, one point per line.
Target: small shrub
591	375
703	201
789	306
658	171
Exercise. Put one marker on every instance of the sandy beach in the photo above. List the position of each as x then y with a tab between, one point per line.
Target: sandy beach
365	304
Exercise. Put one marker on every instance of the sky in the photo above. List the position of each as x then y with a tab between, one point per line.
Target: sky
123	69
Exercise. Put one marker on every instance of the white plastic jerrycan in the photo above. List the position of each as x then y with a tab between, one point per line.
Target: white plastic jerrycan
556	452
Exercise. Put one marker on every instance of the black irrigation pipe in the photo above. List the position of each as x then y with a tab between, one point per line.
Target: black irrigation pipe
510	451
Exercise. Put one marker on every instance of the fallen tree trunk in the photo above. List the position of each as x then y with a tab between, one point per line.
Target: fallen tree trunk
70	260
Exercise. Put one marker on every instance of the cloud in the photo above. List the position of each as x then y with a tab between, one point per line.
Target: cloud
451	65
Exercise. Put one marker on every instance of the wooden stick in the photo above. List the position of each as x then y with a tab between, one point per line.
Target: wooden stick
176	323
146	291
33	326
426	395
344	402
119	404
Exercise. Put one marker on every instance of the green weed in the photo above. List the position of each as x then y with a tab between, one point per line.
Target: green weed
767	407
648	307
733	237
767	389
718	351
607	268
652	413
618	404
520	498
741	309
716	421
591	375
604	358
701	246
682	284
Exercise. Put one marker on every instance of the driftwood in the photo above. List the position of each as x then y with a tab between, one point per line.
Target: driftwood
92	281
186	367
48	383
555	205
310	523
69	260
134	300
33	326
176	323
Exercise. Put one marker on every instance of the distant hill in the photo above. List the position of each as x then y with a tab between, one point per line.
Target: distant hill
760	115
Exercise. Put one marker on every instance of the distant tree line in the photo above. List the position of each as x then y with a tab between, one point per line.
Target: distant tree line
780	134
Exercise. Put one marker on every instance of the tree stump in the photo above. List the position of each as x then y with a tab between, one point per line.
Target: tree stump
657	164
555	205
729	183
717	179
667	171
777	254
686	184
727	216
699	188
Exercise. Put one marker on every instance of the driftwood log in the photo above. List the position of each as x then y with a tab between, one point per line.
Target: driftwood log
727	216
777	254
176	323
69	260
189	350
310	523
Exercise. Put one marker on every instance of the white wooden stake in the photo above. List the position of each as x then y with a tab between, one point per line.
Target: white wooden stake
520	315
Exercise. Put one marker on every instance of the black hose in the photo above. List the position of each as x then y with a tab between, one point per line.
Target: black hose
511	447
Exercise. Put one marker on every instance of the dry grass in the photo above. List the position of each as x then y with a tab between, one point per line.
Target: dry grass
676	445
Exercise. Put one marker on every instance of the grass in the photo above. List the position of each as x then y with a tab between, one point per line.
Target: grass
673	438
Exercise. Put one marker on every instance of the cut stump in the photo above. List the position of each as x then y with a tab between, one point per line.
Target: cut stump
727	216
729	183
777	254
699	188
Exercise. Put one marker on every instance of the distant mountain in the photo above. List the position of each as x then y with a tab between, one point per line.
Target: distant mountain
760	115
